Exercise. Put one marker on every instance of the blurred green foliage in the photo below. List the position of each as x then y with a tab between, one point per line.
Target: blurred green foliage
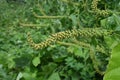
65	60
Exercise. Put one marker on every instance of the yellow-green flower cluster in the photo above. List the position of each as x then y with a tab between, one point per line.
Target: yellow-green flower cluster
85	32
97	10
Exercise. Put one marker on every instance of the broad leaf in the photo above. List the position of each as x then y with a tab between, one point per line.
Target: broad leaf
54	76
19	76
36	61
113	71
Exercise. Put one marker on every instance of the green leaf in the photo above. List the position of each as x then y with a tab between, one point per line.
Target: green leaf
74	19
20	75
70	49
117	19
111	42
112	22
113	70
103	22
54	76
36	61
77	50
29	75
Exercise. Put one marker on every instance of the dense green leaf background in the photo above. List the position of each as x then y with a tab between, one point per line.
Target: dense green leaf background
64	60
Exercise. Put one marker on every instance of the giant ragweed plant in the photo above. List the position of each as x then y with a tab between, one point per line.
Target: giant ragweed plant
97	10
85	32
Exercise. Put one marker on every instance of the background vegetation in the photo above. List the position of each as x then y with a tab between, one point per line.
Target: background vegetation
80	55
